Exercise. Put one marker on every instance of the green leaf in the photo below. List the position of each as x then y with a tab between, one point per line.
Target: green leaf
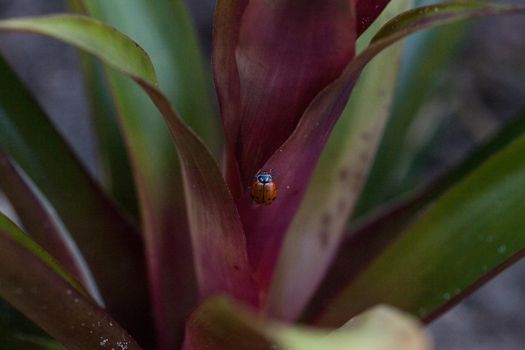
164	29
114	161
13	322
308	139
34	283
367	241
39	221
131	59
381	327
109	243
158	176
218	239
429	54
220	324
315	233
471	232
13	340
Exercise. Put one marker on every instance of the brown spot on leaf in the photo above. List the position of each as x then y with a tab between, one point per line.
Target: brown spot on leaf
363	156
326	219
323	238
344	174
366	135
341	205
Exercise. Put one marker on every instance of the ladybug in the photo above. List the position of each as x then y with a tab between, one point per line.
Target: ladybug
263	189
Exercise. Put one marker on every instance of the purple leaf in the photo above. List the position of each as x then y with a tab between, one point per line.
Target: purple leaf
313	237
156	168
217	236
268	71
36	285
293	163
219	246
40	223
227	21
367	12
109	242
285	52
220	324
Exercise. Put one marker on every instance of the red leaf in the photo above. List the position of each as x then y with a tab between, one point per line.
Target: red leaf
286	52
108	241
219	245
294	162
292	166
228	15
40	224
367	12
218	240
37	286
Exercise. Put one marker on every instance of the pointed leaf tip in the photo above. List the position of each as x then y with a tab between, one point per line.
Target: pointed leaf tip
93	36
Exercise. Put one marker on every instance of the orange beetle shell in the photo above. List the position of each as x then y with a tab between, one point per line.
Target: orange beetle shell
263	193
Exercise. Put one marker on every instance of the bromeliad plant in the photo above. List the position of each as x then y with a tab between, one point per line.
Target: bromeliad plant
210	268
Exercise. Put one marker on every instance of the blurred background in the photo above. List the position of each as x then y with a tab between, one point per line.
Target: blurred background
481	86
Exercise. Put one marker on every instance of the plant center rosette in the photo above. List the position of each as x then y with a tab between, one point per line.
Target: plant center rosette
271	61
